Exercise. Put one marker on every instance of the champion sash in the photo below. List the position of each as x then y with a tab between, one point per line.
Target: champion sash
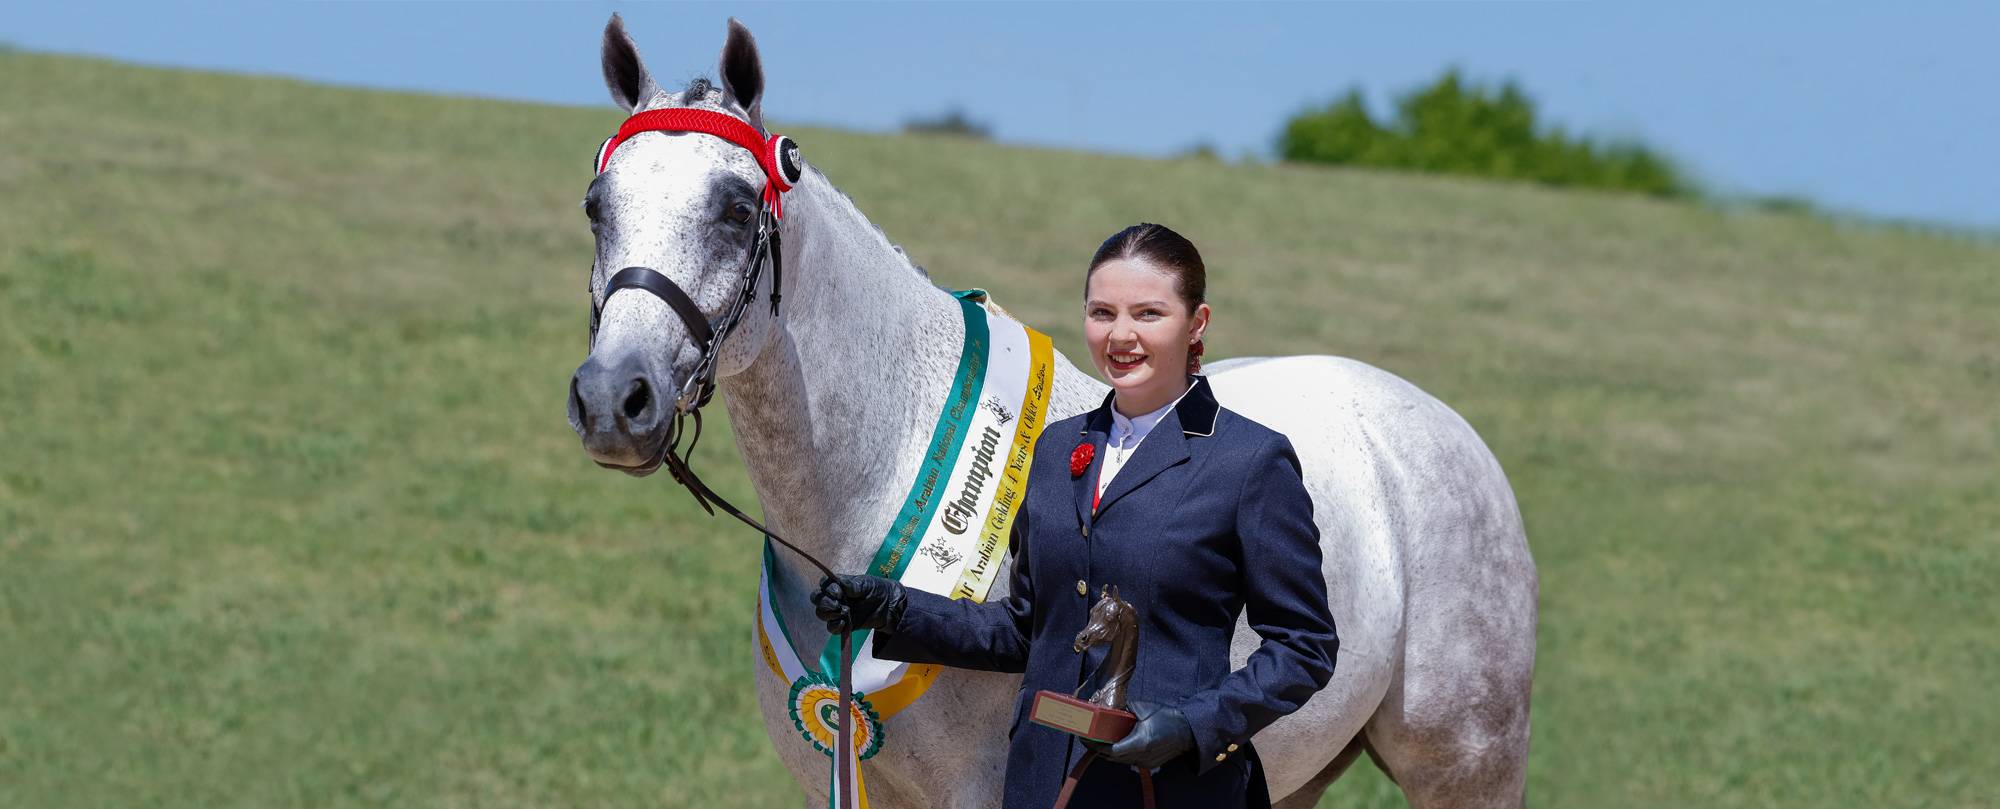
948	537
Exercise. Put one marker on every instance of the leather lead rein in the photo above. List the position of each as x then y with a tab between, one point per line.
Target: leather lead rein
1076	774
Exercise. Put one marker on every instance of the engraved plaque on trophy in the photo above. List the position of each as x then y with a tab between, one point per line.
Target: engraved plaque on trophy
1102	717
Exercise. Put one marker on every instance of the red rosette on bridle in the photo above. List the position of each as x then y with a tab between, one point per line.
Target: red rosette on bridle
1079	459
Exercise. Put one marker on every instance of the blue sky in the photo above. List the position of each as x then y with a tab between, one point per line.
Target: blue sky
1888	110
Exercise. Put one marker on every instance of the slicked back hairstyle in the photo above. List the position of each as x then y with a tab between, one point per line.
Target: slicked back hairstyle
1165	250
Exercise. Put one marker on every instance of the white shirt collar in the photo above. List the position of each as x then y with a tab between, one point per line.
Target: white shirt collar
1139	426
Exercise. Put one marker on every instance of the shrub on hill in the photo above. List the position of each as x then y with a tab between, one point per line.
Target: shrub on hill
1454	127
953	122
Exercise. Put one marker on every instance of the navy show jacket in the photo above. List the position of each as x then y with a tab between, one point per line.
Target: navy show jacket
1209	517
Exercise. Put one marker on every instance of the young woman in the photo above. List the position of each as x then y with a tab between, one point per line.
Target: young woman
1194	512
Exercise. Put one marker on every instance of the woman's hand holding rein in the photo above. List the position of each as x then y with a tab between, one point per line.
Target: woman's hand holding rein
858	602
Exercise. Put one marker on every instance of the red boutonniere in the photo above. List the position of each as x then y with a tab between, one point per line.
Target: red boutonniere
1079	459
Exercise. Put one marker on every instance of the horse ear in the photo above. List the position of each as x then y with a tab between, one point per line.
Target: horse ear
743	74
631	86
1114	592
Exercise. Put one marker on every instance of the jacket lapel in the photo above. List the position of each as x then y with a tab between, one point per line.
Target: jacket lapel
1096	430
1164	447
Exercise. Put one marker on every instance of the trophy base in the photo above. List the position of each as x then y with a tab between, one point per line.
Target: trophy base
1081	718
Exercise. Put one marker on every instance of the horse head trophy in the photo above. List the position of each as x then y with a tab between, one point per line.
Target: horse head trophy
1112	621
1103	717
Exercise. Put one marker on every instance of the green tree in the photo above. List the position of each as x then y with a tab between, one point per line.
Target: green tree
1454	127
953	122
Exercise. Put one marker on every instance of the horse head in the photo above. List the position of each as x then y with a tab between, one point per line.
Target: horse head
1110	618
689	207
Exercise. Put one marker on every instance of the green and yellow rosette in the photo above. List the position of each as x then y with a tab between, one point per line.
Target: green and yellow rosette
816	715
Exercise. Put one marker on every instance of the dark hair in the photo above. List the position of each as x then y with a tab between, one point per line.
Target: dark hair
1166	251
1161	247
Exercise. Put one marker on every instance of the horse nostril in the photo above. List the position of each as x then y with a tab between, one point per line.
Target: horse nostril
580	413
638	399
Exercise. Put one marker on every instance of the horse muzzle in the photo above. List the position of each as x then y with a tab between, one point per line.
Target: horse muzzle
622	413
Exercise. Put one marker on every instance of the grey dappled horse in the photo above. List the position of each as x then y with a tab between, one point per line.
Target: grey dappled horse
1426	562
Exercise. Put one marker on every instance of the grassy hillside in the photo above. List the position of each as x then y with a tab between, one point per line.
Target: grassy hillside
289	514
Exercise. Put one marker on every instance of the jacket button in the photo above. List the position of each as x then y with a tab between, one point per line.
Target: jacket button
1232	748
1085	530
1221	756
1081	588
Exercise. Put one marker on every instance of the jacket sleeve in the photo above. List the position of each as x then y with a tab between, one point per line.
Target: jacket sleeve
989	636
1286	603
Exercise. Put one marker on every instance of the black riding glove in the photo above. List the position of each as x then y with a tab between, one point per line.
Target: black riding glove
858	602
1162	734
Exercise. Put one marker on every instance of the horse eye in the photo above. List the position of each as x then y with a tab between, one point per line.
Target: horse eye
741	213
590	209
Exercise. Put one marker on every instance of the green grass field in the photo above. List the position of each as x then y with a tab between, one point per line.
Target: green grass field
290	516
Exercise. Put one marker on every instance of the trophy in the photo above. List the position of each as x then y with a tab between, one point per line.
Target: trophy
1103	717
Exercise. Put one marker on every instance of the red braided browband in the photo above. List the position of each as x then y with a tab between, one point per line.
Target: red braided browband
727	127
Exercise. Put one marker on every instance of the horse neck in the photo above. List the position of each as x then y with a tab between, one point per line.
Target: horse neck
1124	644
843	396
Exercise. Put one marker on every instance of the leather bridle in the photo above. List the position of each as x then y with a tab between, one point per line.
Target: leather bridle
779	157
766	249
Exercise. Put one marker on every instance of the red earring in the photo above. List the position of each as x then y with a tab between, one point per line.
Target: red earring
1194	356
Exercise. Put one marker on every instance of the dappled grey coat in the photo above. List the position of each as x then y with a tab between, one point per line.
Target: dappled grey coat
1208	518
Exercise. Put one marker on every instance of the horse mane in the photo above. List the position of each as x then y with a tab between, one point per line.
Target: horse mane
697	88
900	252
